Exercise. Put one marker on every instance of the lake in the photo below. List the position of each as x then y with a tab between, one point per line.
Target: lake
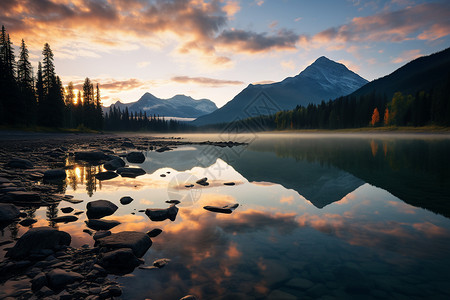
319	216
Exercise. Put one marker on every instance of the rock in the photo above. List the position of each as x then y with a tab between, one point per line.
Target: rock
126	200
27	222
114	164
106	175
126	171
101	234
38	281
90	155
202	181
162	175
173	202
160	263
138	242
59	278
67	210
14	289
227	209
110	291
162	149
154	232
120	261
88	231
19	163
55	174
38	239
127	145
156	214
25	198
189	185
101	224
8	212
229	183
136	157
100	208
65	219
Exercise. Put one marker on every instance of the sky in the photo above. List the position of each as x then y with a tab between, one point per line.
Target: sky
215	48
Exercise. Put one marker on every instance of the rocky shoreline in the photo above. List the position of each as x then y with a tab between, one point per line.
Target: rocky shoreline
41	263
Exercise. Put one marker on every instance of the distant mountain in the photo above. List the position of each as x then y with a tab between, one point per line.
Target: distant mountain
180	106
322	80
422	74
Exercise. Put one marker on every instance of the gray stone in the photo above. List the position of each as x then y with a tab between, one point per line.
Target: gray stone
55	174
38	239
156	214
106	175
100	208
8	212
59	278
138	242
136	157
126	200
101	224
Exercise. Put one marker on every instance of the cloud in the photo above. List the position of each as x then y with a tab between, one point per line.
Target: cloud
407	56
253	42
114	85
427	21
231	8
205	81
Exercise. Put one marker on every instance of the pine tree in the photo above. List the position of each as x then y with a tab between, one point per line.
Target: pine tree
48	70
25	82
98	109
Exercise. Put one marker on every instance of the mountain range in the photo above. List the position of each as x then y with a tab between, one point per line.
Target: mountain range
322	80
179	106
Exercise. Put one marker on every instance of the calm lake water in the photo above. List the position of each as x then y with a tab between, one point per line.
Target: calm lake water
331	216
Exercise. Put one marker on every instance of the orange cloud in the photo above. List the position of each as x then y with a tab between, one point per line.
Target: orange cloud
407	56
205	81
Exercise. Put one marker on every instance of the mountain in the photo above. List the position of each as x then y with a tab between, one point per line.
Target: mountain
422	74
322	80
179	106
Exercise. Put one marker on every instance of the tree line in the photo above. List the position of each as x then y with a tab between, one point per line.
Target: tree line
124	120
28	99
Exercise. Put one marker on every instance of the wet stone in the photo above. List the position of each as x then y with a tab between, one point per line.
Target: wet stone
126	200
101	224
100	208
106	175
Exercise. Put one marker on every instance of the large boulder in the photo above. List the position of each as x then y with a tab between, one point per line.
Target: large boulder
157	214
8	212
55	174
138	242
114	164
58	279
100	208
136	157
101	224
37	239
120	261
19	163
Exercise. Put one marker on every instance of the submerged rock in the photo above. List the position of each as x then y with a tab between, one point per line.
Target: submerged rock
227	209
100	208
37	239
120	261
101	224
138	242
136	157
156	214
106	175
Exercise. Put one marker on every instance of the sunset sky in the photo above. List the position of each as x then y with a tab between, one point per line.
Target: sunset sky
214	49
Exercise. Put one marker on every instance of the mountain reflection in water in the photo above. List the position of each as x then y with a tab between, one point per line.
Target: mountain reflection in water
318	216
